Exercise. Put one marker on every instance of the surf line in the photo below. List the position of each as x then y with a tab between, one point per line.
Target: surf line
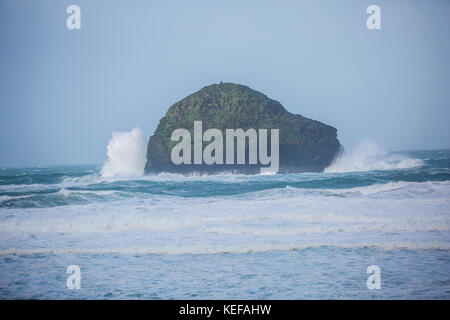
213	152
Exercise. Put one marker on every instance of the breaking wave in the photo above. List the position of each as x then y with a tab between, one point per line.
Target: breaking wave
368	156
126	154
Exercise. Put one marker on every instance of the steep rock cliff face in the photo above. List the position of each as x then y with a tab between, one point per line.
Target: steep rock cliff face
304	144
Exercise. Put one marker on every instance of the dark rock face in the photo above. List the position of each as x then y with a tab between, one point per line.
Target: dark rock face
304	144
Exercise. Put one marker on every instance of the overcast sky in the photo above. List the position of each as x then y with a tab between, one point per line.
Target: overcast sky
62	92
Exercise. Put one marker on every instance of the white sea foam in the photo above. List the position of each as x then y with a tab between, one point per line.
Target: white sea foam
356	191
368	156
126	154
384	216
221	248
414	215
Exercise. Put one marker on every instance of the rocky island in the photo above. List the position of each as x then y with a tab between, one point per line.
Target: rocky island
304	144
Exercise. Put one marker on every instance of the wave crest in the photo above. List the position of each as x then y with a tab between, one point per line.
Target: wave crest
126	154
368	156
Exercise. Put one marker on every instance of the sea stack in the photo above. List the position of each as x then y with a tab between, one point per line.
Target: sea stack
305	145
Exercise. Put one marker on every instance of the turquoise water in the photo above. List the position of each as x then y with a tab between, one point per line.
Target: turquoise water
287	236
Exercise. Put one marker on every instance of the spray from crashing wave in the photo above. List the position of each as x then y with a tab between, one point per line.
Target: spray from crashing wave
126	154
367	156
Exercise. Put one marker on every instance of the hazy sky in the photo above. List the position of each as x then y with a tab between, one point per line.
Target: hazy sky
62	92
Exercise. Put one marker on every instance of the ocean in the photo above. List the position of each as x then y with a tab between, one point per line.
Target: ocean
273	236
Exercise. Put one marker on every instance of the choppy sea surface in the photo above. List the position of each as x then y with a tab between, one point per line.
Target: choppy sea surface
282	236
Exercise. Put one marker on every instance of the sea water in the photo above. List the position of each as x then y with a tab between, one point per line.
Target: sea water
280	236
